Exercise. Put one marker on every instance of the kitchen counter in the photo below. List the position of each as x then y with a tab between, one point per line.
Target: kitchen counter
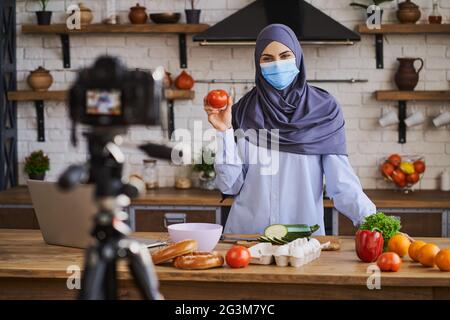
171	196
30	269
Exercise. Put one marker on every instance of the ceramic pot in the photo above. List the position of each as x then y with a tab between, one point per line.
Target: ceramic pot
193	16
138	15
406	77
167	82
40	79
184	81
44	18
408	12
36	176
86	15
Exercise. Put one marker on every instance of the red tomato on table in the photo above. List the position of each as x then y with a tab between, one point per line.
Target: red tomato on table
217	98
238	257
389	261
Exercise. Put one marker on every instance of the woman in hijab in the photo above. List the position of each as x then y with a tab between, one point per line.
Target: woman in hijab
293	129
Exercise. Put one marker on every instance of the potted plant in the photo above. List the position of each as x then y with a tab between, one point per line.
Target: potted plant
193	15
44	17
205	168
372	2
36	165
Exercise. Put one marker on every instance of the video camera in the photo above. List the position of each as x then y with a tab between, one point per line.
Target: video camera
107	94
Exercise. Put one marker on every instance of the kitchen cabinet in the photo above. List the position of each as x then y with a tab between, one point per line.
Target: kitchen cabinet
416	224
423	212
159	220
18	218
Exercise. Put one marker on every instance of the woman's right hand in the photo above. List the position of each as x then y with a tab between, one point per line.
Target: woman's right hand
220	119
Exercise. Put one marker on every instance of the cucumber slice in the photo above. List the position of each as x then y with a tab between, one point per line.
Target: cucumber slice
281	241
264	239
276	230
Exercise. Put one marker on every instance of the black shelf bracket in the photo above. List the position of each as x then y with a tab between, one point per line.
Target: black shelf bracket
183	50
171	118
40	120
65	42
379	50
401	124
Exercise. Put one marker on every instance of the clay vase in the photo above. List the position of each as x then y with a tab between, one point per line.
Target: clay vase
167	81
86	15
408	12
138	15
406	77
184	81
40	79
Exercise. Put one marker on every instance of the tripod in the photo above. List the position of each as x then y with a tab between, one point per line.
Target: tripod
104	169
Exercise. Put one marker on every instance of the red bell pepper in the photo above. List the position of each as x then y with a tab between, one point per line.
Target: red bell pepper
369	245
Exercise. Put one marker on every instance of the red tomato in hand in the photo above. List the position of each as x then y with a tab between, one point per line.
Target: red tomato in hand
217	98
389	261
419	166
395	159
238	257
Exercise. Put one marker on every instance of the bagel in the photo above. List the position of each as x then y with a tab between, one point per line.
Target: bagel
173	250
198	261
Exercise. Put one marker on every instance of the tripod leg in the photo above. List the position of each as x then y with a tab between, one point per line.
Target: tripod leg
110	284
94	276
142	269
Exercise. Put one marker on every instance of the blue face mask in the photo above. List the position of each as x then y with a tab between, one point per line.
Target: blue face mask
281	73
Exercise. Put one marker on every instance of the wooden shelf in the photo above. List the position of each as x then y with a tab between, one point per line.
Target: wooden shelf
60	95
393	95
399	28
61	29
402	97
119	28
37	95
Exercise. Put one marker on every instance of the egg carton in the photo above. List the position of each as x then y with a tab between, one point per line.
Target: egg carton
296	253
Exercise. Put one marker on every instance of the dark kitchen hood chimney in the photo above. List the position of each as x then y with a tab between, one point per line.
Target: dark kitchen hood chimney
311	25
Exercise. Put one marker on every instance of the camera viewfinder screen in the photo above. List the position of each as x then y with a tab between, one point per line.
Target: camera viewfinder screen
103	102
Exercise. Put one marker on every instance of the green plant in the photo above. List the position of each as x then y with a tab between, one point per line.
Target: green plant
44	4
387	225
37	163
365	6
192	2
206	163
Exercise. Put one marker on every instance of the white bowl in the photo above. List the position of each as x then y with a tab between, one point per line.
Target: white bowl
206	234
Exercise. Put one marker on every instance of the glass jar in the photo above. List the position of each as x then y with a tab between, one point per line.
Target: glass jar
435	17
150	174
183	177
110	12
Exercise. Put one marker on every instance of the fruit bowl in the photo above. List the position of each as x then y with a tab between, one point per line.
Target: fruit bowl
402	170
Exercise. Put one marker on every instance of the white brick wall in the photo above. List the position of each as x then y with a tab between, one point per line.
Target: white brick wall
367	141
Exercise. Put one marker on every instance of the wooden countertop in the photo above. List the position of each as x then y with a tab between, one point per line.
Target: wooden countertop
171	196
23	254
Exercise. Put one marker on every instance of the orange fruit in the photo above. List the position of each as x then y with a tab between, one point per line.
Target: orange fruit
414	249
427	254
399	244
442	260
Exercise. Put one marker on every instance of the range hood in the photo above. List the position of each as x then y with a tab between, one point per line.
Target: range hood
311	25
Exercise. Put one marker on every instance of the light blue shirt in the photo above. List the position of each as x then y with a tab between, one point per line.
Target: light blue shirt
281	187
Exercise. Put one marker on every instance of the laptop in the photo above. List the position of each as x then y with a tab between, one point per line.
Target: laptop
66	217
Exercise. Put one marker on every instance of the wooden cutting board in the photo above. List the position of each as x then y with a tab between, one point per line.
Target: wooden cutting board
335	241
